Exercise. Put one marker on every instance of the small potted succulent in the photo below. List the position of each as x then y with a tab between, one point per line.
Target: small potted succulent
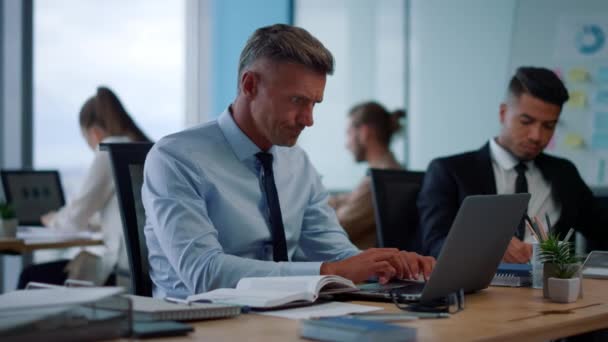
8	221
561	270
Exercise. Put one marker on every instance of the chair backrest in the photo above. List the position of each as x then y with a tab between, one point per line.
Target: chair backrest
128	167
601	198
394	196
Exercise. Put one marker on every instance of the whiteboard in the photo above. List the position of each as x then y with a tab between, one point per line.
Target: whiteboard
571	38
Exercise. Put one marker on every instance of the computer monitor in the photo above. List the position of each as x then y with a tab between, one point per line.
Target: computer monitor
32	193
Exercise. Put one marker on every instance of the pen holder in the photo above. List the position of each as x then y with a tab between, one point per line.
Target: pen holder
537	267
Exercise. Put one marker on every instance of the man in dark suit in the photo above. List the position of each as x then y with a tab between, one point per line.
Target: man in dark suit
514	162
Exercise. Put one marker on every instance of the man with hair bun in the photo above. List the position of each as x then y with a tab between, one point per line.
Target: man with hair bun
368	136
514	162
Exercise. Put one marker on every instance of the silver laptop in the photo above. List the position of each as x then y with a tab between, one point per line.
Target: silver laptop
471	252
32	193
596	265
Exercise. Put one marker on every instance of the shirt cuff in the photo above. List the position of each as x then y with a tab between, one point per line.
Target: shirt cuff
301	268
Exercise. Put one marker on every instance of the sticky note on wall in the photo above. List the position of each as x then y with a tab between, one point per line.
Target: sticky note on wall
600	100
600	122
559	74
552	143
601	171
574	141
578	75
578	99
599	141
602	75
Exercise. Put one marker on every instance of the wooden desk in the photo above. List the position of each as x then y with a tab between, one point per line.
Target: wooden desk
25	248
19	246
494	314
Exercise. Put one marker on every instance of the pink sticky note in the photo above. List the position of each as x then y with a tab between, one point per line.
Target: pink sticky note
551	144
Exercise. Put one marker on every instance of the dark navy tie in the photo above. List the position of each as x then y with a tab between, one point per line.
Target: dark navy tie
279	245
521	186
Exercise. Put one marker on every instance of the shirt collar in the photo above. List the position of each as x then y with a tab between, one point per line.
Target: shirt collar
240	143
503	157
115	139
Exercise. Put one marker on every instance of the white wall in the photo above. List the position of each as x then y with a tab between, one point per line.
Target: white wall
459	58
367	39
537	41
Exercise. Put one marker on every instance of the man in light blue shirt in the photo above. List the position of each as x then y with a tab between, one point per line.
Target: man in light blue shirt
210	217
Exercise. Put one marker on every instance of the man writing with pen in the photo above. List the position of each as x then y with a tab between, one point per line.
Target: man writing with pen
514	162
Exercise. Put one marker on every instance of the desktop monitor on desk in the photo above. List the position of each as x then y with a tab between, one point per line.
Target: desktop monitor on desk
32	193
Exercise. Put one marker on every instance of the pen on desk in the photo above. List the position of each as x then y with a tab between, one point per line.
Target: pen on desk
384	317
548	223
176	300
409	315
430	314
244	308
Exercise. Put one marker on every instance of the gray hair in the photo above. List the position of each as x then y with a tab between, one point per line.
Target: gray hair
285	43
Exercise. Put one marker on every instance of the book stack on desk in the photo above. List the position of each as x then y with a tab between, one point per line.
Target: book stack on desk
340	329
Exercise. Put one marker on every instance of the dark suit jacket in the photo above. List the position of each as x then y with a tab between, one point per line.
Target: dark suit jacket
449	180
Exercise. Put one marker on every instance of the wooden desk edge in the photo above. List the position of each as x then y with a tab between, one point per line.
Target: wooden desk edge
565	329
18	246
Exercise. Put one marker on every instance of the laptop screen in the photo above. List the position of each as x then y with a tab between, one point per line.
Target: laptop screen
32	194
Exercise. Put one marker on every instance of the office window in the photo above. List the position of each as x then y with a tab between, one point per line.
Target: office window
134	47
368	41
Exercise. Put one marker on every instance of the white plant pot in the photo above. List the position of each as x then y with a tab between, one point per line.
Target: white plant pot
8	228
564	290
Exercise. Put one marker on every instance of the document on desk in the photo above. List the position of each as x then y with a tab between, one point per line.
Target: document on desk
62	314
45	235
62	296
329	309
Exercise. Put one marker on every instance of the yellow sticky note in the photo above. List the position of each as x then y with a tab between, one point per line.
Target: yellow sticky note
578	99
574	141
578	75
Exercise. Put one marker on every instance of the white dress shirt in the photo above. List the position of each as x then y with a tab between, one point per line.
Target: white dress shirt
96	195
542	202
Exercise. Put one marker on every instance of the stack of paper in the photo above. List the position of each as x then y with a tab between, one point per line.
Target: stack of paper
44	235
64	314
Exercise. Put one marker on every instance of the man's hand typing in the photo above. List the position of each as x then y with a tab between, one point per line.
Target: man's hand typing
384	263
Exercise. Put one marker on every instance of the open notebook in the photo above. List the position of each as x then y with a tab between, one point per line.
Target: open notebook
269	292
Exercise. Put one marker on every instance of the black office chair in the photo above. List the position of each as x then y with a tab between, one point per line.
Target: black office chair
128	166
394	196
601	198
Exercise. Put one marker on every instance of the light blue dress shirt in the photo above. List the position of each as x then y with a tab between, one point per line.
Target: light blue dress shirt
207	219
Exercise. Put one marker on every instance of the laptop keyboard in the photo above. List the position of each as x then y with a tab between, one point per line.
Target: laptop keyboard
397	287
413	288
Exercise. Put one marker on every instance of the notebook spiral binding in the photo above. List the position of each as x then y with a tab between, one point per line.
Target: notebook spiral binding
510	280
